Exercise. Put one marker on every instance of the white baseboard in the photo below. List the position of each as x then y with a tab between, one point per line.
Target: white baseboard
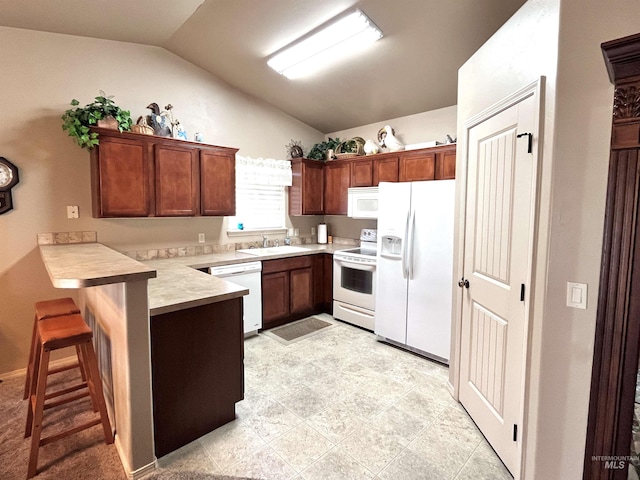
134	474
22	372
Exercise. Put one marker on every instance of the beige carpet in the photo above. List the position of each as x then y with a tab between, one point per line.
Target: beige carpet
77	457
296	331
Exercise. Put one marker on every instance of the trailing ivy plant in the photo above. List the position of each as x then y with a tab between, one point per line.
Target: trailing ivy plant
78	121
319	150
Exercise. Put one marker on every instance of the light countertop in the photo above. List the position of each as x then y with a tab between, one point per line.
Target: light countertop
90	264
174	283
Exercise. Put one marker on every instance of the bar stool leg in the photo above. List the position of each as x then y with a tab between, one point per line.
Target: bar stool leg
94	382
34	342
36	406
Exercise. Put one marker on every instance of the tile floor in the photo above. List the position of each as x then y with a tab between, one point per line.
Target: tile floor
340	405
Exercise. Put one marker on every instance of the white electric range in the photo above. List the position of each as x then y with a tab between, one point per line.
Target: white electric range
354	282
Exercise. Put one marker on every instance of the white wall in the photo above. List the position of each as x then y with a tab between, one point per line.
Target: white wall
428	126
561	40
41	73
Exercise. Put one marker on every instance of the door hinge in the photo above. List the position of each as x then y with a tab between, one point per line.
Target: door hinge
515	432
522	292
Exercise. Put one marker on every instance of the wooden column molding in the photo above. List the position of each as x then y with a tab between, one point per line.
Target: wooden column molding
617	337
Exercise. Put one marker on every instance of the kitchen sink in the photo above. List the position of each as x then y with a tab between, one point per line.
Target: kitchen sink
273	250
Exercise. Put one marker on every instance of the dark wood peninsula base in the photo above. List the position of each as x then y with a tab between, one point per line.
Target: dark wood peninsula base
197	371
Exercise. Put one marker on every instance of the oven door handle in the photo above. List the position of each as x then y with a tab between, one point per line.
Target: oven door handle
355	266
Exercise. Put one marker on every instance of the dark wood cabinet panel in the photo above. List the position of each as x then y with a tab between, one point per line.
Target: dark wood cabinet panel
135	175
446	164
385	170
337	181
177	177
361	173
417	166
301	295
197	371
327	281
120	179
275	297
217	183
306	194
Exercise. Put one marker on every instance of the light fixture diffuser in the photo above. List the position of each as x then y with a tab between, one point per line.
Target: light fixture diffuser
346	35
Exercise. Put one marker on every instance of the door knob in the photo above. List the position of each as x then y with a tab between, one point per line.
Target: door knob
463	283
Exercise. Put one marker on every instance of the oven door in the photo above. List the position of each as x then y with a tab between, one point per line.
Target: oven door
354	283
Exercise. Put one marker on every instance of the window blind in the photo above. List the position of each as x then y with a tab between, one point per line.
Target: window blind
258	207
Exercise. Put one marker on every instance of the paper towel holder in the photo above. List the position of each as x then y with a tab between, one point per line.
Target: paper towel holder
322	233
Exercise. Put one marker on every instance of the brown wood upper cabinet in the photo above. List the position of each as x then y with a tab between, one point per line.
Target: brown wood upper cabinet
417	166
137	175
306	194
337	180
361	173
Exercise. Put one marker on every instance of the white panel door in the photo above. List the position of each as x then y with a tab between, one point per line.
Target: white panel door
431	267
497	253
391	288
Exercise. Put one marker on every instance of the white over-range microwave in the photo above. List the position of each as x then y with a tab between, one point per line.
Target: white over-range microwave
362	202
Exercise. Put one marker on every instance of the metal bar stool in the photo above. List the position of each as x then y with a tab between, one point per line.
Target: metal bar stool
48	309
53	334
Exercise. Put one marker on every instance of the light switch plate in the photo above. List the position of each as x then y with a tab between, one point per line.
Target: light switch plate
201	238
577	295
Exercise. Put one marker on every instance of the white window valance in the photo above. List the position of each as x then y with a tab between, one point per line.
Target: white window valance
263	171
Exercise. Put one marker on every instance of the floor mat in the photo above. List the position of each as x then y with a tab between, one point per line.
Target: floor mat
296	331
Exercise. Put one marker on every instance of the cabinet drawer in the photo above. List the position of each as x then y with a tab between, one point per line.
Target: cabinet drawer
285	264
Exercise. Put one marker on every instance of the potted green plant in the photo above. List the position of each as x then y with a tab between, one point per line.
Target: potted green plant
319	150
79	120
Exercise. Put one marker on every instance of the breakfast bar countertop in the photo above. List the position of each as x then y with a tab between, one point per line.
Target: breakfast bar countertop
90	264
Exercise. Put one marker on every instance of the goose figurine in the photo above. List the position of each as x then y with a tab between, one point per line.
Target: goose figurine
390	141
160	122
370	147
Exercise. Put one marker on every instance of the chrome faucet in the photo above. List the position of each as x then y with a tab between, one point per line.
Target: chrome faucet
276	243
265	242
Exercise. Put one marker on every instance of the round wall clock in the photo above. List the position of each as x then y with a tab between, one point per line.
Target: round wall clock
8	179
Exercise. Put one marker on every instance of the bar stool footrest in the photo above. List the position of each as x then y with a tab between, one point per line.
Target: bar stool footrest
66	433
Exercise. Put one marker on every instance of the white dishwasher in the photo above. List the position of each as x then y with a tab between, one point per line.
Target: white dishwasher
246	275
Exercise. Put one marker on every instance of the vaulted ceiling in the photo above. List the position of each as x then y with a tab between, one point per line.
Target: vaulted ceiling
412	69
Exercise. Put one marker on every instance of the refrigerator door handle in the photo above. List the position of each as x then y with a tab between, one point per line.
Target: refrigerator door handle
412	230
404	247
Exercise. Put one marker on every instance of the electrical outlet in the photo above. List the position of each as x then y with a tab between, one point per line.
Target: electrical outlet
296	232
201	238
72	211
313	230
291	232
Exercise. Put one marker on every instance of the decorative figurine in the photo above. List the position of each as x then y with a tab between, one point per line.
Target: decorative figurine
160	122
387	139
370	147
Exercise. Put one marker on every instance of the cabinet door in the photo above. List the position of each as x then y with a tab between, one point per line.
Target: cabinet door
313	189
177	186
120	177
361	173
385	170
337	181
275	297
446	165
217	183
301	282
415	167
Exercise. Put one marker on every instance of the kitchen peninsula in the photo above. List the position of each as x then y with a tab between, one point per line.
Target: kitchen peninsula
140	315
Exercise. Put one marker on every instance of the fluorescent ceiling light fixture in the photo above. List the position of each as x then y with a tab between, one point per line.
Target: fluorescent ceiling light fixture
346	35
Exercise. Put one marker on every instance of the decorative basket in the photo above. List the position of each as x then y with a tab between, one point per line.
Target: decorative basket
142	127
340	156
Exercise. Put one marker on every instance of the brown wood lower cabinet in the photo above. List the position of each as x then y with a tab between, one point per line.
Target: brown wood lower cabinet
295	287
197	371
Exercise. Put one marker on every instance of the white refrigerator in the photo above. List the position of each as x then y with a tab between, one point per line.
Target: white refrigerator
415	265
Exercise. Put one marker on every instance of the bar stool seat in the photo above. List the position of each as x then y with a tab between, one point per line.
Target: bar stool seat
52	334
49	309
